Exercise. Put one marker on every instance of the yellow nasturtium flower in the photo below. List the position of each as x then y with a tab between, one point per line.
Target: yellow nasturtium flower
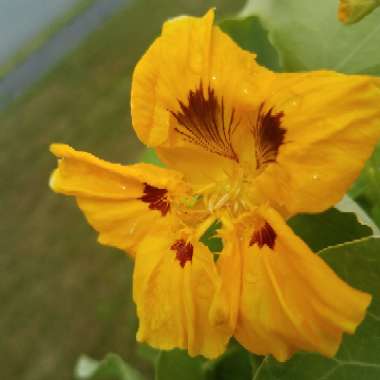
248	148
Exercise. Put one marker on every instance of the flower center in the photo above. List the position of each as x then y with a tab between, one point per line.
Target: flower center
232	196
236	194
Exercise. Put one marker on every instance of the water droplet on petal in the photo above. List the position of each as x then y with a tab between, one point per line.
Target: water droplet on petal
132	228
293	102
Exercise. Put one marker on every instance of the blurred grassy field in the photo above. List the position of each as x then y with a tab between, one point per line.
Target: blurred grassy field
61	293
40	39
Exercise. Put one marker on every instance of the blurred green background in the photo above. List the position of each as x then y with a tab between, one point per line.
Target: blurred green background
61	293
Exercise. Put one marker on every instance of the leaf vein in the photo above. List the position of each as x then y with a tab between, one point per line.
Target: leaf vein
346	59
259	368
330	372
373	316
356	363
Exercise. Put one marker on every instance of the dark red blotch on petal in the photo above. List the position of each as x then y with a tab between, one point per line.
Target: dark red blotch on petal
157	198
204	121
184	251
269	136
265	235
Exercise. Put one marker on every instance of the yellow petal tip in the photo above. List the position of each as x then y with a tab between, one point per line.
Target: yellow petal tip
59	150
352	11
53	180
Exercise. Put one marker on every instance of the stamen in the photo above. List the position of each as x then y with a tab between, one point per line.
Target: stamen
235	208
222	201
203	122
211	202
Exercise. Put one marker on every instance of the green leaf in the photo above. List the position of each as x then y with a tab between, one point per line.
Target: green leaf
110	368
369	180
366	190
235	364
376	214
358	263
359	186
250	35
209	238
149	156
147	353
176	364
308	36
328	228
347	204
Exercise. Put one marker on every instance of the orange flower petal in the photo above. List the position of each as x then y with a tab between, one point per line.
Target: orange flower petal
174	283
291	300
188	98
331	123
225	306
122	203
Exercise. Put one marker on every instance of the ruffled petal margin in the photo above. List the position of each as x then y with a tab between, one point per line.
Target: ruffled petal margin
173	299
122	203
331	123
188	99
291	300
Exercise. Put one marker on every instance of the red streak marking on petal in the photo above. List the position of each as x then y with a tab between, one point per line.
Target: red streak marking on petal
264	236
184	251
204	121
269	136
156	198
